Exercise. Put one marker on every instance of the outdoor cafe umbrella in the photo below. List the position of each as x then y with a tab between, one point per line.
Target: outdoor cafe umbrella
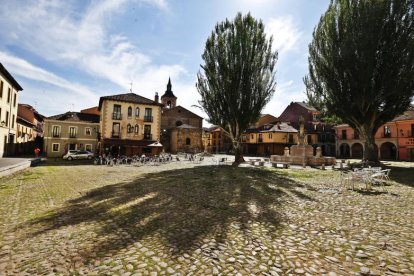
155	144
157	147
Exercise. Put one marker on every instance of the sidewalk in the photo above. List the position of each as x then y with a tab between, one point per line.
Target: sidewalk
11	165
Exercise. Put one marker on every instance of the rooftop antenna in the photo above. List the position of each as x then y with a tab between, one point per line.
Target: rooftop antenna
131	83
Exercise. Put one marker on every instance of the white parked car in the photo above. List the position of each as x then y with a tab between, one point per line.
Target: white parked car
78	154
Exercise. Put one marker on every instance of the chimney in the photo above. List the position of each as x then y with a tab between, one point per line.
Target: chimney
157	98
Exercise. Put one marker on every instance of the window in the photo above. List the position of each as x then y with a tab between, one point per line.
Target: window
0	114
88	131
188	141
137	112
72	146
411	134
260	138
117	112
7	118
148	115
115	130
309	139
356	134
55	147
72	132
243	138
129	112
168	104
270	135
14	100
8	95
1	89
147	132
344	134
136	129
291	138
178	123
13	121
55	131
387	131
251	136
88	147
129	128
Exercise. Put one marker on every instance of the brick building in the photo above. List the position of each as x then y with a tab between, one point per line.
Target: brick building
314	126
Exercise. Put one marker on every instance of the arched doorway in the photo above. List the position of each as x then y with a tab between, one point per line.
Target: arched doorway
388	151
344	151
357	150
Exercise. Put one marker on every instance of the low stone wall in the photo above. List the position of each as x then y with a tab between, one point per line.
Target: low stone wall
308	160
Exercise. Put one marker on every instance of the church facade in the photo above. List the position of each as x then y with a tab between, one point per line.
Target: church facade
181	129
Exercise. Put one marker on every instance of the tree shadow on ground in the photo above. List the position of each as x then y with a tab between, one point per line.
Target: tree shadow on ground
402	175
180	206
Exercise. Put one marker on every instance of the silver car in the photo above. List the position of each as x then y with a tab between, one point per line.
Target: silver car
78	154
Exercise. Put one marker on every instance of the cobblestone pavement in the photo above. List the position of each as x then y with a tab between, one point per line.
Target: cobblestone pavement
189	219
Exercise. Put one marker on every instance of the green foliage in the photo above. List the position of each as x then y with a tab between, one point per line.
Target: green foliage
361	62
238	75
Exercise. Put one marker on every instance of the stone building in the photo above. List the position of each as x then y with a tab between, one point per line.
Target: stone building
181	128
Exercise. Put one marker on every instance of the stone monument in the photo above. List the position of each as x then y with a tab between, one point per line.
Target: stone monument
302	153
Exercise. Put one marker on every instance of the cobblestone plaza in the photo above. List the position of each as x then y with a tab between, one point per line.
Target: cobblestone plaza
190	219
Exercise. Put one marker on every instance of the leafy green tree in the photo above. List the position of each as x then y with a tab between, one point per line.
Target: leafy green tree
238	77
361	63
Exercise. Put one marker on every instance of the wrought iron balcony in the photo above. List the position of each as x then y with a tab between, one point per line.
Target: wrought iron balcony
116	116
148	118
72	135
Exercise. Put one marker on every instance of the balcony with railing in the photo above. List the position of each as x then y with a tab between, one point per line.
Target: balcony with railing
386	135
116	116
260	140
147	136
148	119
116	134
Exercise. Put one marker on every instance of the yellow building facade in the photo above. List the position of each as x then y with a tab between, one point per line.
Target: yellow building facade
128	124
9	97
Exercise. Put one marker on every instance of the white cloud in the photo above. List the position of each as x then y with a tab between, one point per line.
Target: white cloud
27	70
286	93
286	34
55	31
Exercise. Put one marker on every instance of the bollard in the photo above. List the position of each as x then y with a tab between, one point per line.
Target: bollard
323	167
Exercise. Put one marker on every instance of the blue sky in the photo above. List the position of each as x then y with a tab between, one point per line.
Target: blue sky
66	54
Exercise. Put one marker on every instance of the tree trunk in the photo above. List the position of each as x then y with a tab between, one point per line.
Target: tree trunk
370	153
238	154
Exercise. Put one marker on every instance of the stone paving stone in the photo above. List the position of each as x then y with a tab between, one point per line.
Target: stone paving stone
126	220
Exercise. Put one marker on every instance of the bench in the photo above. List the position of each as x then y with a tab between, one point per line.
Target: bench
284	165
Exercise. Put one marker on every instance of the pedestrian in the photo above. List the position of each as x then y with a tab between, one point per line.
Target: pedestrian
36	152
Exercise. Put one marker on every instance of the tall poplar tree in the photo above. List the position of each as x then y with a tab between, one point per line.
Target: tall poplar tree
237	78
361	63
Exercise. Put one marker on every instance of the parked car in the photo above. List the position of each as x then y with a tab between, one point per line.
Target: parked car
78	154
